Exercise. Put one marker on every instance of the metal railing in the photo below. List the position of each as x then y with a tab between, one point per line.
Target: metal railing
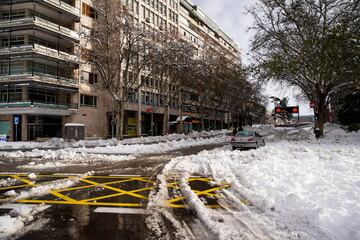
42	23
38	104
28	75
41	50
64	6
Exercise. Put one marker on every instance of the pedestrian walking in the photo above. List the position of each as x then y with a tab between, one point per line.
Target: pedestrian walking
235	131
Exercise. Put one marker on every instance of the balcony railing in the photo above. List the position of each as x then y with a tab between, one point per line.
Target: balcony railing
39	104
42	23
50	52
28	75
64	6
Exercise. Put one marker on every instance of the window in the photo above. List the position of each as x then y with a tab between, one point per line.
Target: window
89	78
88	101
89	11
17	68
17	14
4	68
10	94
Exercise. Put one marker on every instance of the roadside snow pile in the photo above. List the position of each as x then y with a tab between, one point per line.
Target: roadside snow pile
17	221
61	143
60	158
311	190
335	134
161	147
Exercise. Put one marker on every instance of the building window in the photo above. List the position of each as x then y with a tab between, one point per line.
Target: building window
88	101
10	94
89	11
88	78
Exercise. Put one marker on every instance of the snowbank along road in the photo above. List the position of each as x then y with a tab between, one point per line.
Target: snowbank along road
185	187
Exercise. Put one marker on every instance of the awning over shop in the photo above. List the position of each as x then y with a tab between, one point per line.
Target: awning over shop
184	119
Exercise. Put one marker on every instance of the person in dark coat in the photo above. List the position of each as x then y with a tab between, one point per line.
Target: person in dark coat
235	131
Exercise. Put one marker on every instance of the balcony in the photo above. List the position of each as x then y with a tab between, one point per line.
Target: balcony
41	50
64	7
40	22
39	104
37	107
40	77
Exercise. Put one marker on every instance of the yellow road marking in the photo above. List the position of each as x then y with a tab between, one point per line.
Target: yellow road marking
198	193
59	195
82	203
114	177
14	187
119	181
118	192
115	195
30	183
114	189
75	188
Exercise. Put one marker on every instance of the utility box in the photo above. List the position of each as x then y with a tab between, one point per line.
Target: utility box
75	131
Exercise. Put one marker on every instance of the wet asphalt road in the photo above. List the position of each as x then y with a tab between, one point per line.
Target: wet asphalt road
80	222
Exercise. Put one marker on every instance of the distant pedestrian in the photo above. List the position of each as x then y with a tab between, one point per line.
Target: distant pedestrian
235	131
241	128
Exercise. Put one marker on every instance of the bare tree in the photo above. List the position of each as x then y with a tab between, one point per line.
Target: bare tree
121	51
296	43
176	71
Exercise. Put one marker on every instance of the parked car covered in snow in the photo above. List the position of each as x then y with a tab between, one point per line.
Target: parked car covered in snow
247	139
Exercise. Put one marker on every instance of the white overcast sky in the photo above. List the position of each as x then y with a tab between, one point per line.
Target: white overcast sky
231	16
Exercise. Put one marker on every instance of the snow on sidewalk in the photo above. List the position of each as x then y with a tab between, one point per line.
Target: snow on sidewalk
47	159
61	143
311	189
161	147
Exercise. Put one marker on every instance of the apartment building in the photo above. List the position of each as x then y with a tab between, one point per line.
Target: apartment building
43	86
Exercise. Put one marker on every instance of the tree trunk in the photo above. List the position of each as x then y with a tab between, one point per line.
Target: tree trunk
321	116
166	121
202	123
181	121
215	125
120	121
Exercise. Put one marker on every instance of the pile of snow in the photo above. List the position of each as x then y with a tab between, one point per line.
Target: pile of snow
42	159
313	190
18	220
161	147
61	143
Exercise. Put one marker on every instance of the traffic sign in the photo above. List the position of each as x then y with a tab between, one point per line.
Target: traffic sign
16	120
149	109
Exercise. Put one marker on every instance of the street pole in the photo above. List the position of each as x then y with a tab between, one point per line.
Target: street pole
152	123
16	133
113	124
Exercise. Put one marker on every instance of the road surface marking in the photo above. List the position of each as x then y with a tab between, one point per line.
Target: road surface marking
119	191
119	210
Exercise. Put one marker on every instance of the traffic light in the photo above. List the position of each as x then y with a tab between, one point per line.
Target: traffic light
294	109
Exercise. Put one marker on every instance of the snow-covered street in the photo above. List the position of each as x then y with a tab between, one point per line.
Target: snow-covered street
295	187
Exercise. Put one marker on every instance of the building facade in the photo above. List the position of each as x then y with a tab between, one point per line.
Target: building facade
43	86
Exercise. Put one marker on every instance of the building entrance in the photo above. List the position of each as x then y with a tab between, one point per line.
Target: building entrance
44	127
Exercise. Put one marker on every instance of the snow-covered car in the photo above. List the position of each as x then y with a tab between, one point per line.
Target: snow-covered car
247	139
